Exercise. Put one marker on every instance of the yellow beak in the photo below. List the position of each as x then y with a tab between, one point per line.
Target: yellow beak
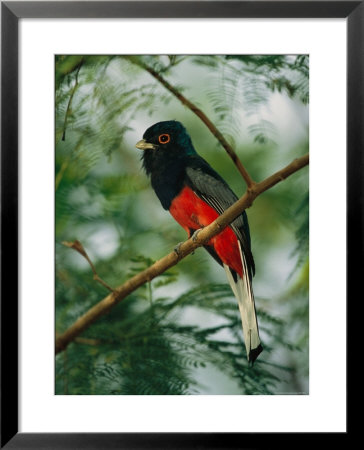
144	145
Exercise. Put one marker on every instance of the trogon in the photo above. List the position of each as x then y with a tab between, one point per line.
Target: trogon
195	195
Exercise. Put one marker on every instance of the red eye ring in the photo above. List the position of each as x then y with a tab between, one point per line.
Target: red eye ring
164	138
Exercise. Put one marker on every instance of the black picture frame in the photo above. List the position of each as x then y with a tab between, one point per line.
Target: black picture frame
11	12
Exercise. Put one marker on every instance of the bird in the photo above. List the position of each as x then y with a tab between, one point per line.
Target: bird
195	195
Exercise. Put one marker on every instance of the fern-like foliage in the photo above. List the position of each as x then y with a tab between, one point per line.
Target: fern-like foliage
246	82
148	349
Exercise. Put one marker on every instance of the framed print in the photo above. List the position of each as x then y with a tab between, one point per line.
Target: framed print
217	89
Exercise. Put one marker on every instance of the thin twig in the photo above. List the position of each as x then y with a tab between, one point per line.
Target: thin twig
76	245
68	110
187	247
61	172
88	341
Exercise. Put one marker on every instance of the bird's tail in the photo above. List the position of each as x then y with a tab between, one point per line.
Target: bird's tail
244	294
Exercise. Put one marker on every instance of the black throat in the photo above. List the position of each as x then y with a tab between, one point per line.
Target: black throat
167	174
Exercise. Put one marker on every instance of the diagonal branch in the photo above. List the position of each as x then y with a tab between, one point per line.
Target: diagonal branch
187	247
199	113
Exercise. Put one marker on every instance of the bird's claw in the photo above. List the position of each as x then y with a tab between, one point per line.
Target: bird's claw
177	247
195	234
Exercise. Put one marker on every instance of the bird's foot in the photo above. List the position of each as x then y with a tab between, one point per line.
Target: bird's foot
177	247
195	234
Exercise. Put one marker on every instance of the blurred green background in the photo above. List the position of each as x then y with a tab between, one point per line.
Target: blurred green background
181	333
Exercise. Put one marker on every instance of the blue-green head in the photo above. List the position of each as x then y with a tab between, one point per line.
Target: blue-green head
164	142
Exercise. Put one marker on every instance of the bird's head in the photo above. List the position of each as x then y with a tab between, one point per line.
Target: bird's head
164	141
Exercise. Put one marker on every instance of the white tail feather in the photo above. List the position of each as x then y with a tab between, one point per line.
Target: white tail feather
243	292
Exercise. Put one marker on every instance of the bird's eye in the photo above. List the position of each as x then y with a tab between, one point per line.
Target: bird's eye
164	138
